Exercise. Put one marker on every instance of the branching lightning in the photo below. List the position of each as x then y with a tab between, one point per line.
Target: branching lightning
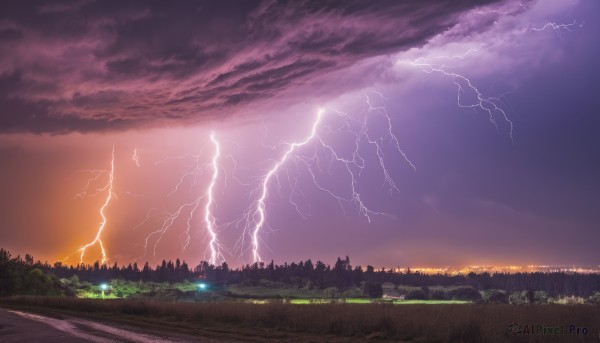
255	216
110	194
308	153
136	158
259	210
209	218
489	105
560	27
189	209
169	220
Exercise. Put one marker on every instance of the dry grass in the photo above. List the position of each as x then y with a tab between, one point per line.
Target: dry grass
382	322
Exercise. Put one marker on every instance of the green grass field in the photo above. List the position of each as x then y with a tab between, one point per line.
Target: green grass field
371	301
260	294
431	302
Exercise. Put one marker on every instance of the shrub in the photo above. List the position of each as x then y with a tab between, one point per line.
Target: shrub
465	293
570	300
308	285
416	294
540	297
494	296
438	295
519	298
372	289
270	284
37	283
330	292
352	293
594	298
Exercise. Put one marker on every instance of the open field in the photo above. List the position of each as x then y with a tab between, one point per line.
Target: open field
261	293
332	322
373	301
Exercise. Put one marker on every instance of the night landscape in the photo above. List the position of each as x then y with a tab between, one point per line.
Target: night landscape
299	171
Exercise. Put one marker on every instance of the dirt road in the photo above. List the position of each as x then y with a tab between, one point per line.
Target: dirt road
17	326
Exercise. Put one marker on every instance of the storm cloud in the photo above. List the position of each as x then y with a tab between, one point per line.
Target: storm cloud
109	65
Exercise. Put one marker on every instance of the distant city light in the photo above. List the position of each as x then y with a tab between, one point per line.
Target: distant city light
202	286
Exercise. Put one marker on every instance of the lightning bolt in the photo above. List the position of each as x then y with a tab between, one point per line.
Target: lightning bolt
136	158
255	216
260	210
109	196
490	105
189	209
209	219
559	27
169	221
195	170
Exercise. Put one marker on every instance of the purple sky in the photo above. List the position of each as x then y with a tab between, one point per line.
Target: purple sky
77	77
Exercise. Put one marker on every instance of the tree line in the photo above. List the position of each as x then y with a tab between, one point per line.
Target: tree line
17	274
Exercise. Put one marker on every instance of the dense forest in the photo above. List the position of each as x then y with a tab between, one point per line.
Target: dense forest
25	276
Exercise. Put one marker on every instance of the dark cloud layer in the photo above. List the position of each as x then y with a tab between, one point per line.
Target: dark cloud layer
96	65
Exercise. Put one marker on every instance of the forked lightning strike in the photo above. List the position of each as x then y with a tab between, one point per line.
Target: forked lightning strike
109	196
463	84
487	104
260	203
255	215
209	218
559	27
136	158
190	208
